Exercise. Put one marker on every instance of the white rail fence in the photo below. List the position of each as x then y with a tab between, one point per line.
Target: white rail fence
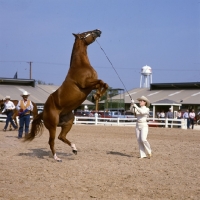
3	118
156	122
153	122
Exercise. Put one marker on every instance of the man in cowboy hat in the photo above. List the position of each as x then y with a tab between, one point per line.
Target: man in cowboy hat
8	110
142	113
25	107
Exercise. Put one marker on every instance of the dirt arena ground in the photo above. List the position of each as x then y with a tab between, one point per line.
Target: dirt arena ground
106	167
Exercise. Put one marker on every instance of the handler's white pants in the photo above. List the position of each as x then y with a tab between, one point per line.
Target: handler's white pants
141	134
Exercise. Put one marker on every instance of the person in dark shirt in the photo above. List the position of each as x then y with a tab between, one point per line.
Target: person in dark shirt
170	115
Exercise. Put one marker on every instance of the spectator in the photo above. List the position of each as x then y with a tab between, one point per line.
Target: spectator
169	116
91	115
186	116
8	110
179	116
162	116
192	116
24	106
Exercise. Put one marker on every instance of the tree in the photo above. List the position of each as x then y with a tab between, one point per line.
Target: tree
40	82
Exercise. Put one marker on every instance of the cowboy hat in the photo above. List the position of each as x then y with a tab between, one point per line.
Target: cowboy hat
7	97
143	98
25	93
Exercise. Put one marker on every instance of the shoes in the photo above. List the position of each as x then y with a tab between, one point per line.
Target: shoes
150	155
4	130
142	157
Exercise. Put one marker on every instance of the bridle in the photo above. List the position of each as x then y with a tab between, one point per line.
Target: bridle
86	36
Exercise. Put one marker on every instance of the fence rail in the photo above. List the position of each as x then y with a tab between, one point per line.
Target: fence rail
153	122
3	118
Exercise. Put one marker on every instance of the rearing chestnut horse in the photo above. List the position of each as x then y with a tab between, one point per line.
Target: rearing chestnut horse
79	82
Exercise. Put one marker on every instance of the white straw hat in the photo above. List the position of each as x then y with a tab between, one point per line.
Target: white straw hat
25	93
7	97
143	98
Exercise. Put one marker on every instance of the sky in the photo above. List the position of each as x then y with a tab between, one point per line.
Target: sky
163	34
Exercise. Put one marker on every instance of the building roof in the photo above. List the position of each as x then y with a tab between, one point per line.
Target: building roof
183	96
175	86
13	81
166	102
38	94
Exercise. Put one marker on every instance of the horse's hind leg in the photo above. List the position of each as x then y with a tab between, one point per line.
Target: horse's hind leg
66	125
52	135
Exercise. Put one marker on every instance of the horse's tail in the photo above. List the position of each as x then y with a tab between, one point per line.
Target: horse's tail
36	128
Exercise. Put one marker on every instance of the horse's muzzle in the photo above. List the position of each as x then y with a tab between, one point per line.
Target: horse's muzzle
97	32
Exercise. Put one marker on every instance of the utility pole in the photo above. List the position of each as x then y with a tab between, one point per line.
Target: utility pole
30	70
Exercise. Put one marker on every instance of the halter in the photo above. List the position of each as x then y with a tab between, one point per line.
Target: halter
86	36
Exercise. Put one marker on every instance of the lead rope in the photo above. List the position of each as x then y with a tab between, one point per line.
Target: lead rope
115	70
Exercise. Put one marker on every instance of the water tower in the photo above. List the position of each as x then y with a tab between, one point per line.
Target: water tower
146	77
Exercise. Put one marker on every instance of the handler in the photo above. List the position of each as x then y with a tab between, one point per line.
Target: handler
141	126
24	107
8	110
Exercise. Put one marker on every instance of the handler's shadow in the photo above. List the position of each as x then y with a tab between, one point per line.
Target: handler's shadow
41	154
118	153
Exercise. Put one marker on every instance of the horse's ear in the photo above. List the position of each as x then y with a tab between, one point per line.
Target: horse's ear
75	35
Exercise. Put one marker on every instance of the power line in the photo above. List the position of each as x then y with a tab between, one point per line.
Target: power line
129	68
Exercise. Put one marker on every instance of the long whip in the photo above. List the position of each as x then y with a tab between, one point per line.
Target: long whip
114	69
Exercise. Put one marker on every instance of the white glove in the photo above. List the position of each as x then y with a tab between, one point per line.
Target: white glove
132	101
134	105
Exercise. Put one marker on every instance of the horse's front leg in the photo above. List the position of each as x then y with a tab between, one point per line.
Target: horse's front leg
101	89
97	84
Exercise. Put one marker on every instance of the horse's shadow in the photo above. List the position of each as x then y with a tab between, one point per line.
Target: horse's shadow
11	136
118	153
42	154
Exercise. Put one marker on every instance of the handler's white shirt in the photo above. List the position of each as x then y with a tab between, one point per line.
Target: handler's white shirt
8	106
142	113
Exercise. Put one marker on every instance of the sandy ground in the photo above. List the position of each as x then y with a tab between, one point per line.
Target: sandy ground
106	166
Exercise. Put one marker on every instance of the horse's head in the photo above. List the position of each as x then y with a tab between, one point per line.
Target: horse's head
89	36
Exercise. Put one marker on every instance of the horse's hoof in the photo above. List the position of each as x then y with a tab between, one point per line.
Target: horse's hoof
75	152
59	160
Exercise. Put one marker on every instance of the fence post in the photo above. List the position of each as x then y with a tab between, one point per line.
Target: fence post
96	119
166	122
118	121
75	120
183	124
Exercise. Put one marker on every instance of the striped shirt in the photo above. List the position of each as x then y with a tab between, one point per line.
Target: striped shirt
192	115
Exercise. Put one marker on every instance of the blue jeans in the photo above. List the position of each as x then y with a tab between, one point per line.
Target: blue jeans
24	120
188	123
9	119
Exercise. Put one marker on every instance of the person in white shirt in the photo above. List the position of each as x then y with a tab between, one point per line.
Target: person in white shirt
8	110
162	116
24	107
192	116
141	126
179	116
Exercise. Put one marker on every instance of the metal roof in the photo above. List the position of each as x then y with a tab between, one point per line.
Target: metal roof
13	81
164	86
38	94
166	102
183	96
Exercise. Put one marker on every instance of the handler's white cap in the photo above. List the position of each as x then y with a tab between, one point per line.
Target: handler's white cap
7	97
143	98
